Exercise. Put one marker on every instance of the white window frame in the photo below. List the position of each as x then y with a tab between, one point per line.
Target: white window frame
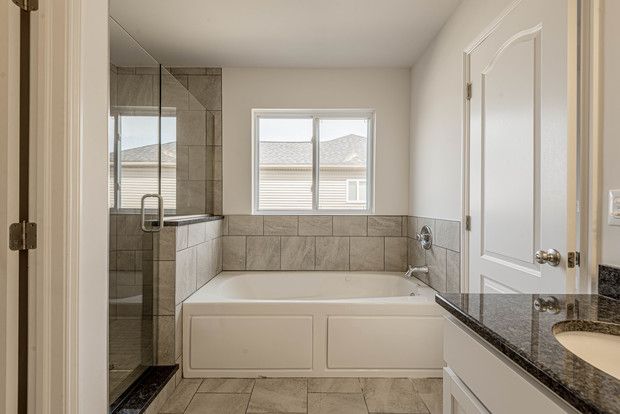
357	181
315	115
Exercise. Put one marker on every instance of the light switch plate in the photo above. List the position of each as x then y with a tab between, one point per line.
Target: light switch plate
613	213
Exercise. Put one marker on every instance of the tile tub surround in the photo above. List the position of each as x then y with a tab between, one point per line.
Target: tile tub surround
204	91
306	395
609	281
353	242
443	259
511	325
187	254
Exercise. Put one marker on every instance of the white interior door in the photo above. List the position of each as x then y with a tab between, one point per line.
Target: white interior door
521	140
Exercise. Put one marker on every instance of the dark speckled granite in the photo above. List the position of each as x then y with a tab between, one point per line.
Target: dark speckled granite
176	221
512	325
609	281
144	390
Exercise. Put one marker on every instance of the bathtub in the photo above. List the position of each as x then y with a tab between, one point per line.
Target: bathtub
250	324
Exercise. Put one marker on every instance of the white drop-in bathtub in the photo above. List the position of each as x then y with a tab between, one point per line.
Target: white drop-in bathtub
249	324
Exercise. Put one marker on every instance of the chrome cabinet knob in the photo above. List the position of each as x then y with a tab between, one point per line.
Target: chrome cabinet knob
550	256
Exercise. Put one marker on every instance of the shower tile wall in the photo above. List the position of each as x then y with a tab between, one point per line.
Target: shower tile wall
315	243
131	300
185	258
443	259
194	97
205	91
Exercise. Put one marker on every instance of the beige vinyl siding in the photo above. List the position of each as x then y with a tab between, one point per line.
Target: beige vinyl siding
285	189
140	179
333	188
290	188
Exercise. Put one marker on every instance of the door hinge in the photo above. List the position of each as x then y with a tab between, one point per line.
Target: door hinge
27	5
574	259
468	91
23	236
468	223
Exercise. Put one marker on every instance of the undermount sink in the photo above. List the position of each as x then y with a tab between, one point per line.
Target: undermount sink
596	343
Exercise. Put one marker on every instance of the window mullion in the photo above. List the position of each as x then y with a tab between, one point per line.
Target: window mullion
315	163
117	161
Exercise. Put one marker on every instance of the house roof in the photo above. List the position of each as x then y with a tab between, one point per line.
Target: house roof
149	153
348	150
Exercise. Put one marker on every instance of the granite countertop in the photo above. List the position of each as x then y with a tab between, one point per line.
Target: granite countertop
511	324
175	221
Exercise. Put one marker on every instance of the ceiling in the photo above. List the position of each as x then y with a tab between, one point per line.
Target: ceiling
284	33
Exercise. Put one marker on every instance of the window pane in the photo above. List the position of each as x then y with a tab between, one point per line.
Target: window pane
111	165
342	156
139	159
352	195
362	191
169	179
285	164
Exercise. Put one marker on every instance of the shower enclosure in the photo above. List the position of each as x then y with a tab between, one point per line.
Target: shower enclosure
156	128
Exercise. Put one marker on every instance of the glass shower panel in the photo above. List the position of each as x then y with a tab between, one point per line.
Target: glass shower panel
134	168
161	141
185	153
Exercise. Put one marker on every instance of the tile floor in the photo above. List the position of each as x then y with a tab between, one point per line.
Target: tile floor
306	395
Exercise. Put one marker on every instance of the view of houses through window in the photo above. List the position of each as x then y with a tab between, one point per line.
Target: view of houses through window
138	151
313	161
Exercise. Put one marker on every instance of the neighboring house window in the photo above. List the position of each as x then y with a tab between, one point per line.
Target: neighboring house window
356	191
313	161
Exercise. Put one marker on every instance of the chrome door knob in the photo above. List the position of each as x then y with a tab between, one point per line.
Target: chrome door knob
550	256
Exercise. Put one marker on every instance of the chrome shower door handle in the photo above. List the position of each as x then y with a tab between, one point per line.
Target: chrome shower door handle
550	256
160	213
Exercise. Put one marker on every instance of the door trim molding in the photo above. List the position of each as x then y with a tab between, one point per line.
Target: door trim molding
590	144
69	124
9	132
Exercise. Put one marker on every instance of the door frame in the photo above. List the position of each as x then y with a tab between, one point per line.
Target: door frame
583	104
68	201
9	154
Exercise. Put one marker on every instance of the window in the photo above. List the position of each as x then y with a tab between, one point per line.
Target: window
356	191
134	159
313	161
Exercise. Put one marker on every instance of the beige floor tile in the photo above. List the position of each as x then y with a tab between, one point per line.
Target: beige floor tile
218	404
279	395
227	385
392	395
428	385
179	400
341	385
333	403
431	392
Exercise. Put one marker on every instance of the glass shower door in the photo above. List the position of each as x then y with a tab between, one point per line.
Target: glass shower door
134	171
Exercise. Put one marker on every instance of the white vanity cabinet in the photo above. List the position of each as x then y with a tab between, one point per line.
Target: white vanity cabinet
480	380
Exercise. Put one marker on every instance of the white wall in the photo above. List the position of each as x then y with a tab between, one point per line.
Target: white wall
610	252
436	112
385	90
